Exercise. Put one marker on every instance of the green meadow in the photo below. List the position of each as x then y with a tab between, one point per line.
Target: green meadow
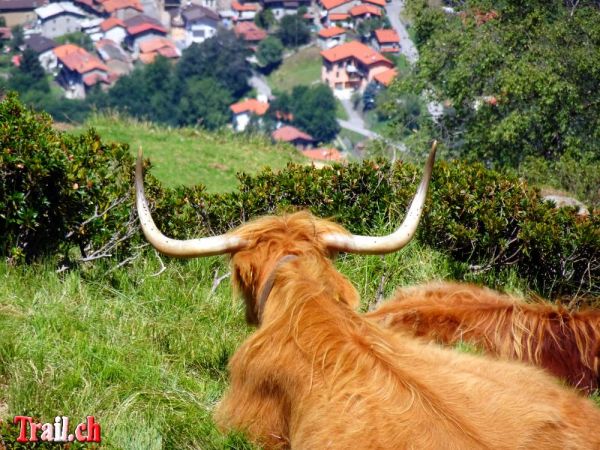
190	156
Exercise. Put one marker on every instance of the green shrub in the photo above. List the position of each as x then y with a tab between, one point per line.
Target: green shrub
57	190
480	217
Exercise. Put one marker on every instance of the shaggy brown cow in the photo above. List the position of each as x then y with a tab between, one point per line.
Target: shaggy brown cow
317	375
566	344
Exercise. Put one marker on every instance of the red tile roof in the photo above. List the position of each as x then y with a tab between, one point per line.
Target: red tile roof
338	17
5	33
354	49
387	36
142	23
110	6
77	59
386	77
361	10
243	7
110	23
331	32
376	2
154	44
289	133
250	31
251	105
330	4
324	154
151	48
94	78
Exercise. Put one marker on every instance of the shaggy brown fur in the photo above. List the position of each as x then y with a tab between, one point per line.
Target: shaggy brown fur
317	375
566	344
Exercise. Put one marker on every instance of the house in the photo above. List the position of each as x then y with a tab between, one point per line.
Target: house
123	9
386	41
351	66
364	11
294	136
385	78
57	19
324	154
116	59
250	32
79	70
141	28
43	47
281	8
245	11
114	29
200	23
19	12
330	37
151	48
329	7
243	111
91	27
342	20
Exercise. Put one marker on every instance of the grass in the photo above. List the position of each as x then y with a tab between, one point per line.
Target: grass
340	111
302	68
190	156
146	354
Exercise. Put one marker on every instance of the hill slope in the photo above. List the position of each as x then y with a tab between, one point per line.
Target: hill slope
189	156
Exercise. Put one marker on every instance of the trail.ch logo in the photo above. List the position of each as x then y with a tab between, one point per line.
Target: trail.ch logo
88	431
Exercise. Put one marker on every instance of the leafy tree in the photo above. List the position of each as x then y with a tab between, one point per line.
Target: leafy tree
265	19
18	38
29	77
313	109
222	57
293	31
523	83
269	53
205	102
31	66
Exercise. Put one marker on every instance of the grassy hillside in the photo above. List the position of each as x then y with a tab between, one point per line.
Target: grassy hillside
146	353
191	156
301	68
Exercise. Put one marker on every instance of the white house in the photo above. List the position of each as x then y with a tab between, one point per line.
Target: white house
200	23
114	29
57	19
43	47
330	37
244	111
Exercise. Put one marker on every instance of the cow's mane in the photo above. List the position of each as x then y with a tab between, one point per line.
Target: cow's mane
544	334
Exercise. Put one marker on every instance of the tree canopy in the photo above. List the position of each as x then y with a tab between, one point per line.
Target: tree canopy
518	78
293	31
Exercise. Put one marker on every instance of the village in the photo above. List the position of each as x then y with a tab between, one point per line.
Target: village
128	33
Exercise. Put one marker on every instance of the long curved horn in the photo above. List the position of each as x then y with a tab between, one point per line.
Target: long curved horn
377	245
208	246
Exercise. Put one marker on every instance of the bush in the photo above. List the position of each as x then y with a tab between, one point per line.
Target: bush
57	190
478	216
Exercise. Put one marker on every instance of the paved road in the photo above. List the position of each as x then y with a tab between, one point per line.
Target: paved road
407	47
258	82
358	129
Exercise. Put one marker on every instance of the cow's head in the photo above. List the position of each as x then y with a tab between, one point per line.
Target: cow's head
261	246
